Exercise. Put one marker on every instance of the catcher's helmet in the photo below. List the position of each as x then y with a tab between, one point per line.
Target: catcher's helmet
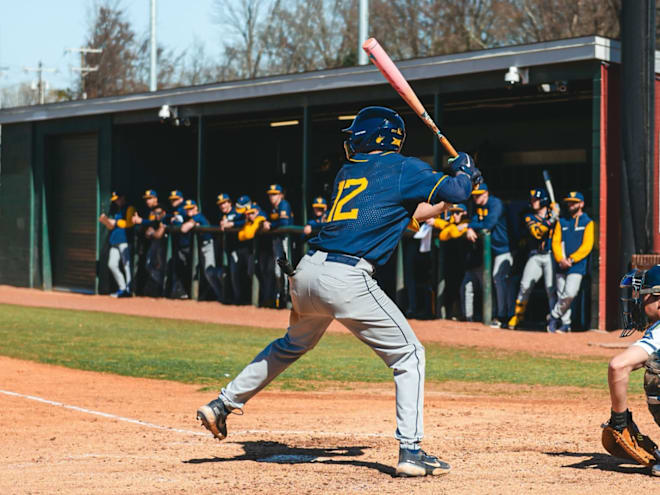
634	285
375	128
540	194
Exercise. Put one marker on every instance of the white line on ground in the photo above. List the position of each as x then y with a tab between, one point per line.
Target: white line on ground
190	432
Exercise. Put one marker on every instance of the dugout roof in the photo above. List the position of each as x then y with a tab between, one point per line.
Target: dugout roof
313	88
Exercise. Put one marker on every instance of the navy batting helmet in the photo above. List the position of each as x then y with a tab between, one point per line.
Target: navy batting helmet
634	285
540	194
375	128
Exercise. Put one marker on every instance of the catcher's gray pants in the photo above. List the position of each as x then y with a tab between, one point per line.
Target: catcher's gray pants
322	291
538	265
568	286
117	256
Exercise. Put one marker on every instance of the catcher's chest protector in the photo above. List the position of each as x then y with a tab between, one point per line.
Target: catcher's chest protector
652	385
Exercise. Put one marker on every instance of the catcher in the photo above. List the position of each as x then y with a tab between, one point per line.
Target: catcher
640	301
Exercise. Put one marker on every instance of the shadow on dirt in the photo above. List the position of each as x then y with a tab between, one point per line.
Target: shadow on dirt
280	453
604	462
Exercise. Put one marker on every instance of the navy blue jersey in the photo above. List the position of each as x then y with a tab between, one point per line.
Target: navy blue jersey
373	199
202	222
492	217
179	216
281	215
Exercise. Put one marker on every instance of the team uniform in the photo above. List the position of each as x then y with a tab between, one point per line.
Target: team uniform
572	238
119	256
454	230
246	256
320	206
206	249
539	260
374	197
491	216
230	246
181	251
274	289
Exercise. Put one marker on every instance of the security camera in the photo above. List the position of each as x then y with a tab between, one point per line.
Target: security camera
516	76
168	114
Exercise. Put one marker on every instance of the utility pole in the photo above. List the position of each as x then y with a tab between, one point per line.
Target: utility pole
363	30
41	84
153	84
84	69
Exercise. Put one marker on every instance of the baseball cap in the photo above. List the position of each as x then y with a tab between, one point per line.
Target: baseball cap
189	204
320	202
243	203
574	196
176	194
275	189
114	195
222	197
457	207
480	189
150	193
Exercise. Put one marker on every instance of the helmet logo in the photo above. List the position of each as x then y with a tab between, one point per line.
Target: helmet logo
396	142
379	139
397	131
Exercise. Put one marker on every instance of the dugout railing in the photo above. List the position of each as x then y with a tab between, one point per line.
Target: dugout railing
295	247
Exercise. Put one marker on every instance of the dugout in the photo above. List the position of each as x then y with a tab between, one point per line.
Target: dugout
60	161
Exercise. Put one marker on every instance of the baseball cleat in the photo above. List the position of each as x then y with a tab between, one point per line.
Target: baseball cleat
214	418
419	463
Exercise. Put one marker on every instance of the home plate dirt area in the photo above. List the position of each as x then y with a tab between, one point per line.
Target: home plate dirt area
70	431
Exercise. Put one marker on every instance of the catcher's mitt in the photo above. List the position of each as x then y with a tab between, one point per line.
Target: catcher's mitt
629	443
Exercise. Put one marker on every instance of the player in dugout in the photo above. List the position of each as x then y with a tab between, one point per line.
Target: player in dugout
119	257
572	242
375	195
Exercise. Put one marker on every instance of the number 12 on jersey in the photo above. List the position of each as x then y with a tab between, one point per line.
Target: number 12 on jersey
351	188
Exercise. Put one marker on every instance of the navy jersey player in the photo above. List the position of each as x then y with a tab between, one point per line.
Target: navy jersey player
274	285
375	195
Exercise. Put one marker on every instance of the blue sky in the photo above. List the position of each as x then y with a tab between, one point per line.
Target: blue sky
33	30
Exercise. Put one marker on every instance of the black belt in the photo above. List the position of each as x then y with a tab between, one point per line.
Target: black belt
346	259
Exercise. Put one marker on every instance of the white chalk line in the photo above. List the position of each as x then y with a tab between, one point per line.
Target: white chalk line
190	432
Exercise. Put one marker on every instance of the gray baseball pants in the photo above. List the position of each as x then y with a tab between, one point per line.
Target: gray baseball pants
538	265
119	255
568	286
325	290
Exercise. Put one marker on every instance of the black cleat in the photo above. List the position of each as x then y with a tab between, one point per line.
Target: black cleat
214	418
419	463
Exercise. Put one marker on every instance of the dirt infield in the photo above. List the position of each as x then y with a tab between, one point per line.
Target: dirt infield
71	431
443	331
510	440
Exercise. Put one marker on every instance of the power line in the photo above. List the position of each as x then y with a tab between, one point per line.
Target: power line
41	84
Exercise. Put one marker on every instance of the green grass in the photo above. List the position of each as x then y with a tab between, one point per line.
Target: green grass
210	354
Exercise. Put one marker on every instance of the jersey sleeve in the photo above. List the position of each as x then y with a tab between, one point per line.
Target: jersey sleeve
451	232
650	342
537	229
587	244
556	243
418	183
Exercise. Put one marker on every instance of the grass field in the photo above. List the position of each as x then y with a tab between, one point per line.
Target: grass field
211	354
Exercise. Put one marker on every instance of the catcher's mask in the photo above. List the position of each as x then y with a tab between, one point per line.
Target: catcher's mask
633	287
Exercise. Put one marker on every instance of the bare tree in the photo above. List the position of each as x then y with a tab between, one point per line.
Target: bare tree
110	31
197	67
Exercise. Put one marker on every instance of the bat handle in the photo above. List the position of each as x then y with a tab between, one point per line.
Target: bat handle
447	145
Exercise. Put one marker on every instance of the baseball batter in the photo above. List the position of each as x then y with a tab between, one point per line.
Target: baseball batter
375	194
641	306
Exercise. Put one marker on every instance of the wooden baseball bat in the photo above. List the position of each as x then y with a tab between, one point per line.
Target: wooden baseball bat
384	63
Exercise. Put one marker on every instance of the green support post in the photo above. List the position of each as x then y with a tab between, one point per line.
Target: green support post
194	267
487	303
305	161
169	265
255	279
